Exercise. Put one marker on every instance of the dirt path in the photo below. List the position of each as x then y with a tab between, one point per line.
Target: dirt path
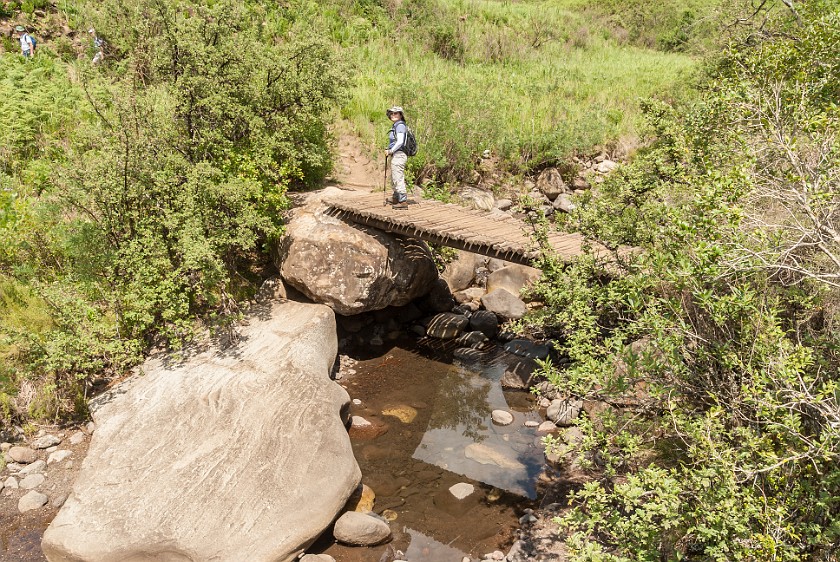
354	168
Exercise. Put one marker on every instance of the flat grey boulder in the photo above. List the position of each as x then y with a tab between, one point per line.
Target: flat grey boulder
504	304
360	529
353	270
235	454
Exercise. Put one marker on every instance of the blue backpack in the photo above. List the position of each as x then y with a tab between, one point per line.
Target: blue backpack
34	42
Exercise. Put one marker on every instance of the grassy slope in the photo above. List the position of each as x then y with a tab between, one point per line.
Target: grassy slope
535	81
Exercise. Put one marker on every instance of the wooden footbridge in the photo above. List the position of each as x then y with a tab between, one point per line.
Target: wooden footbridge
495	235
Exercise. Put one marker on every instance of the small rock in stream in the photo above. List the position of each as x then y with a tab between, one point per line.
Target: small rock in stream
360	529
502	417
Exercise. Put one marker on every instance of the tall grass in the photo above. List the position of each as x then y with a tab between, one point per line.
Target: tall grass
534	82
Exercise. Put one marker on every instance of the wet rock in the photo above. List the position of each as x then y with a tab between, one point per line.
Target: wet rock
446	325
46	442
362	500
505	304
485	454
532	423
527	348
512	381
471	339
360	529
468	354
11	483
32	481
564	412
485	322
58	456
23	455
418	330
32	500
405	414
501	417
512	278
547	427
461	490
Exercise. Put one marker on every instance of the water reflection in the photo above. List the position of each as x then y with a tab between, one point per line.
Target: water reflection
423	547
462	438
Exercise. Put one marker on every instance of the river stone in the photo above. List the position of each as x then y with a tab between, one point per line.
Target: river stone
360	529
33	500
504	304
32	481
461	490
527	349
485	454
234	454
470	295
362	500
446	325
46	442
546	427
501	417
460	272
353	270
34	468
564	412
23	455
485	322
471	339
512	278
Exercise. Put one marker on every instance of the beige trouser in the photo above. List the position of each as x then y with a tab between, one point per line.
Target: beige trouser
398	160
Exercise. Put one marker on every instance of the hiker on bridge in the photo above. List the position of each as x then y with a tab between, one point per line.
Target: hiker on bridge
396	150
27	43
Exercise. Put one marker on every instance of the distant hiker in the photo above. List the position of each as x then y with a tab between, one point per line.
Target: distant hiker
396	150
27	42
98	44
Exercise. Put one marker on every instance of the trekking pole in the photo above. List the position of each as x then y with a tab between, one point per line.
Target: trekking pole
385	182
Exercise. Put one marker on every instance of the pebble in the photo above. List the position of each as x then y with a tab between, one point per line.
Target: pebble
359	422
502	417
32	481
360	529
357	402
461	490
32	500
532	423
317	558
545	402
390	515
495	555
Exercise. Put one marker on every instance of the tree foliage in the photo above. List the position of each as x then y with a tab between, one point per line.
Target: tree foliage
716	345
143	194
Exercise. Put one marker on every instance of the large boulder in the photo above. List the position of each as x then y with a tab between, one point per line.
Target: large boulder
353	270
513	278
235	454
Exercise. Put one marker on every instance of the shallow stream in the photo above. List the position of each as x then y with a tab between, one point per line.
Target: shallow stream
431	429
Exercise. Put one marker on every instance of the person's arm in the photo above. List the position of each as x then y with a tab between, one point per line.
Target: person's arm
31	44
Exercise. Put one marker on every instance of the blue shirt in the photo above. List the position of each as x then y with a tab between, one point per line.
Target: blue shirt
396	137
